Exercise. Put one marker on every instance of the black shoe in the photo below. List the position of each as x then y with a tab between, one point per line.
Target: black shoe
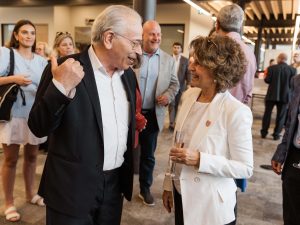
171	128
263	134
147	198
276	137
266	167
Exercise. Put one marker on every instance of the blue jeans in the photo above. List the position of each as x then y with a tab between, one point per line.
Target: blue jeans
148	142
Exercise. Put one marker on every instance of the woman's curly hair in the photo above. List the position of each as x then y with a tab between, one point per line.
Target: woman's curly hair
223	57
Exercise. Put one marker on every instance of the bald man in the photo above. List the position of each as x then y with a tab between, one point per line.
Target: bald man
279	91
159	86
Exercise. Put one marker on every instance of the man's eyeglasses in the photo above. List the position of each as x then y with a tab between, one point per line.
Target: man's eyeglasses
134	43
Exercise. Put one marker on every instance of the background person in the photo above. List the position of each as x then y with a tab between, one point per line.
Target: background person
27	73
184	78
159	85
217	140
278	94
296	62
89	166
43	49
287	155
63	44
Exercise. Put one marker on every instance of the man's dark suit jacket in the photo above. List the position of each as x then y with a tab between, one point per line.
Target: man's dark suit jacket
279	80
292	120
76	153
184	76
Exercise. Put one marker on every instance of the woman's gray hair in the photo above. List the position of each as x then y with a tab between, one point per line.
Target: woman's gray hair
113	18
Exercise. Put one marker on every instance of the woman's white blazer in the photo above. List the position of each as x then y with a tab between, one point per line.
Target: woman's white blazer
223	137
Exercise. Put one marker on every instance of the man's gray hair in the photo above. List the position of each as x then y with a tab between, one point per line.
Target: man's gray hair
231	18
113	18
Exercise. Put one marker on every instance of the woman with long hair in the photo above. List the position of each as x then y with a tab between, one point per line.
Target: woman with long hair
27	73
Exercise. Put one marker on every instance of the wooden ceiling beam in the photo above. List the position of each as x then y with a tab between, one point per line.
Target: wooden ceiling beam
249	13
255	10
283	35
275	8
265	9
284	9
295	5
280	22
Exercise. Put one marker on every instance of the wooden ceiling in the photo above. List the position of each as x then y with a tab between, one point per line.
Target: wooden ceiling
275	17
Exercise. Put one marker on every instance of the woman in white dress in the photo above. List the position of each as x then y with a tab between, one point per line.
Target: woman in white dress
217	141
27	73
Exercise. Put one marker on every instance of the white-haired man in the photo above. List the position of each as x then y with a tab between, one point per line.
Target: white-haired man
86	105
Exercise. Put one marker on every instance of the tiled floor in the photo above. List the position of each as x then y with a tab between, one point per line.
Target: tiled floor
260	205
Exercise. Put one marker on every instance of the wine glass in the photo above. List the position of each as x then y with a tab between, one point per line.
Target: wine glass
178	143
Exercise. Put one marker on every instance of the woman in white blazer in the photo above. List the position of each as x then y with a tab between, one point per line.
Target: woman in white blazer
218	140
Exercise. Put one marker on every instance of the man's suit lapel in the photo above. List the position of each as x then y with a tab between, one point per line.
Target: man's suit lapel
91	88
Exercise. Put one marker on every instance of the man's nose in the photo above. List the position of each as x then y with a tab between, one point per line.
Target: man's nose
139	50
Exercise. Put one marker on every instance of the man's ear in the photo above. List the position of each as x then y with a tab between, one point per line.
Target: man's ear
108	37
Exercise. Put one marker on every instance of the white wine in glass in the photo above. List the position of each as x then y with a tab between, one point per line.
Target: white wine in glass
178	143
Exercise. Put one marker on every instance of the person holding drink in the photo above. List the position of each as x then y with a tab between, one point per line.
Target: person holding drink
217	143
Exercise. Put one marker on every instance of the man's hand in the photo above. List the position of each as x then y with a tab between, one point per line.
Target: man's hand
185	156
277	167
167	198
69	73
162	100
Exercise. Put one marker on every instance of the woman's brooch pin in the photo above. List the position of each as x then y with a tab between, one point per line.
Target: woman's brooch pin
208	122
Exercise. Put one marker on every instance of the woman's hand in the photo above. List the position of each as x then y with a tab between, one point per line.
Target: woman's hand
21	80
185	156
167	198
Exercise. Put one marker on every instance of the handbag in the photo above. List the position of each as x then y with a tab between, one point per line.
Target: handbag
8	93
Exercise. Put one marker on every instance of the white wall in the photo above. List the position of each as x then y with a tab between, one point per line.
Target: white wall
39	15
65	18
175	14
62	22
199	24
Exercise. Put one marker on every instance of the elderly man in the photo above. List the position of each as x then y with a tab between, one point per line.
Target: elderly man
159	85
278	94
86	106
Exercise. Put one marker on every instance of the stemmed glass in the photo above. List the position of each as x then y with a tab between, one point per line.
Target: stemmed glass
178	143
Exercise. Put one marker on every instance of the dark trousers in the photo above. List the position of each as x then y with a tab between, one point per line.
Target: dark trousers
148	142
173	107
280	117
179	211
178	207
291	189
106	211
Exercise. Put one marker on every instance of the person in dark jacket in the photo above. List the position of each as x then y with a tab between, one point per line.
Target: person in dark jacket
279	91
86	104
288	154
